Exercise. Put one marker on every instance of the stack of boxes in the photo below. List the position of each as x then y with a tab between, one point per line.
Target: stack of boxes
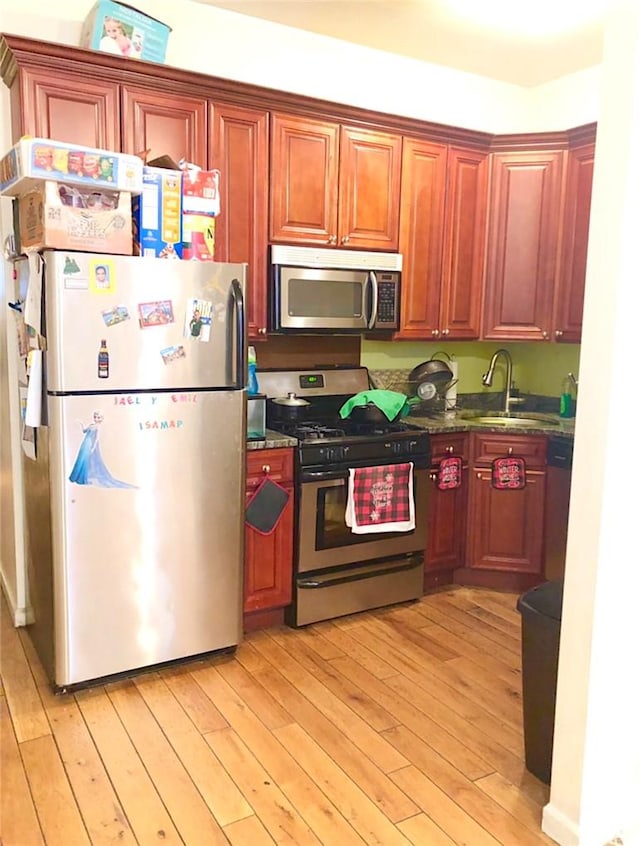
78	198
174	217
70	197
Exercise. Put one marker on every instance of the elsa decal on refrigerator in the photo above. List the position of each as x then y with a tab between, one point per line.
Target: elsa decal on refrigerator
89	467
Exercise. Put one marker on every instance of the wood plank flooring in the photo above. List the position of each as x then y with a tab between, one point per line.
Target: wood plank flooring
397	726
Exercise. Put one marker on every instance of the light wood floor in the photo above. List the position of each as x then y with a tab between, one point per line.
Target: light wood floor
401	726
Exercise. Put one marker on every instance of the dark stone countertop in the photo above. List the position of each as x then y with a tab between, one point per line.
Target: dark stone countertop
439	424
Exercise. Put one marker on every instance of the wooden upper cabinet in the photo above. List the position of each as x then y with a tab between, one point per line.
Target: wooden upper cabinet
304	180
238	146
164	124
422	215
523	242
75	109
333	185
442	230
369	189
570	289
464	241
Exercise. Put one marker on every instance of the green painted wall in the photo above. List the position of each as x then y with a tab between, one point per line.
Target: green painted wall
538	368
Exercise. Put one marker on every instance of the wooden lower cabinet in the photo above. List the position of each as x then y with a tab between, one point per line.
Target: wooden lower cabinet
268	562
505	528
447	513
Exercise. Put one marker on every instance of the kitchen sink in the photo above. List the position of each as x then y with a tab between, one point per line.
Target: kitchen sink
525	421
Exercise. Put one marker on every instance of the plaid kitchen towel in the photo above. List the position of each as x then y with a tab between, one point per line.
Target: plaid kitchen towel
508	474
380	499
450	473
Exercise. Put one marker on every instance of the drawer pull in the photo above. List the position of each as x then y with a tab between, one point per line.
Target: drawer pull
266	469
510	451
449	449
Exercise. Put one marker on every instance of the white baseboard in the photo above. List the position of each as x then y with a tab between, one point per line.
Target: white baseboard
22	615
564	831
559	827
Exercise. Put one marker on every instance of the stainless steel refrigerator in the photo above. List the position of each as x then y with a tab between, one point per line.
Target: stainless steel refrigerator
135	500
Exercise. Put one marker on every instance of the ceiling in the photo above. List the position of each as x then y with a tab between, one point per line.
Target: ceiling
522	43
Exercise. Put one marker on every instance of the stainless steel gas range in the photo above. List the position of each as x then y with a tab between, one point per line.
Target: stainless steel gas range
336	571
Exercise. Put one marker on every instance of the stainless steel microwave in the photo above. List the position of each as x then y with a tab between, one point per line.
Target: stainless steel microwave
320	290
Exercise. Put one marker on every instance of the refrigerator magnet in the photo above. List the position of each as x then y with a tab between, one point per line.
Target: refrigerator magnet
117	314
198	319
102	276
156	313
174	353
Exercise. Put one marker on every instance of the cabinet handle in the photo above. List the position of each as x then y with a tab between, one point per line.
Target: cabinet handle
559	333
345	239
262	331
266	469
445	331
449	449
333	239
510	451
545	334
433	477
479	475
435	332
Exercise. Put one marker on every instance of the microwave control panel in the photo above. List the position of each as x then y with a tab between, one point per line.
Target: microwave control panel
387	301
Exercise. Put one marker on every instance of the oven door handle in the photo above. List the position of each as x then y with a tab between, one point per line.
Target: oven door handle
329	478
331	581
373	282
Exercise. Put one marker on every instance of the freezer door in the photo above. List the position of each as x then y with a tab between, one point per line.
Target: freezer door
122	323
147	494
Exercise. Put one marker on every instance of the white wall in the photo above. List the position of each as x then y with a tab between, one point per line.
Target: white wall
222	43
595	789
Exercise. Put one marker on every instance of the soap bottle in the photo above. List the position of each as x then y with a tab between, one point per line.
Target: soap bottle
567	401
252	384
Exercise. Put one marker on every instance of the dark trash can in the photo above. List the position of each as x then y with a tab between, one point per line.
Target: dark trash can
541	612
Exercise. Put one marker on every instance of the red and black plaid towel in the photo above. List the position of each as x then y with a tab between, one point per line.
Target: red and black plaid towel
450	473
509	474
380	499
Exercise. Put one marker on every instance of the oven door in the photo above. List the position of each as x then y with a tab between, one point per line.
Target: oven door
325	540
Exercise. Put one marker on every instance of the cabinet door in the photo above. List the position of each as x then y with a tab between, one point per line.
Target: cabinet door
165	124
447	525
238	146
464	238
422	209
575	238
505	527
304	180
369	189
268	559
68	108
522	247
447	510
268	563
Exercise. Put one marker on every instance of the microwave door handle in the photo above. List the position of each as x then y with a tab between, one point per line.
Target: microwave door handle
373	282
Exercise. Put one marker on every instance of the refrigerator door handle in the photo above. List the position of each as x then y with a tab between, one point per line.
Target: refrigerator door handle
237	329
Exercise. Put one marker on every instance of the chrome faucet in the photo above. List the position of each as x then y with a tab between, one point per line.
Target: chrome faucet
487	378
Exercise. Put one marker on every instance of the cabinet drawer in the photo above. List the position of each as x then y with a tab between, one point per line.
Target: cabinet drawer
532	448
278	461
442	446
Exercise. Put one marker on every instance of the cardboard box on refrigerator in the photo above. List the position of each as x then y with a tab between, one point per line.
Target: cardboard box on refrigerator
121	30
200	207
59	216
157	214
32	160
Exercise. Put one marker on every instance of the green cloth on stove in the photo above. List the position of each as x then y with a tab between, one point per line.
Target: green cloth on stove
390	403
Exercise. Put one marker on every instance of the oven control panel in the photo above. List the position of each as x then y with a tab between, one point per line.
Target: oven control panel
360	452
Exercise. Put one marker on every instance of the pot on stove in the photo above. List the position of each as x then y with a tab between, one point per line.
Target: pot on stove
289	409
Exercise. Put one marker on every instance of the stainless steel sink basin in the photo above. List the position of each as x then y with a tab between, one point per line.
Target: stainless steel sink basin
528	421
